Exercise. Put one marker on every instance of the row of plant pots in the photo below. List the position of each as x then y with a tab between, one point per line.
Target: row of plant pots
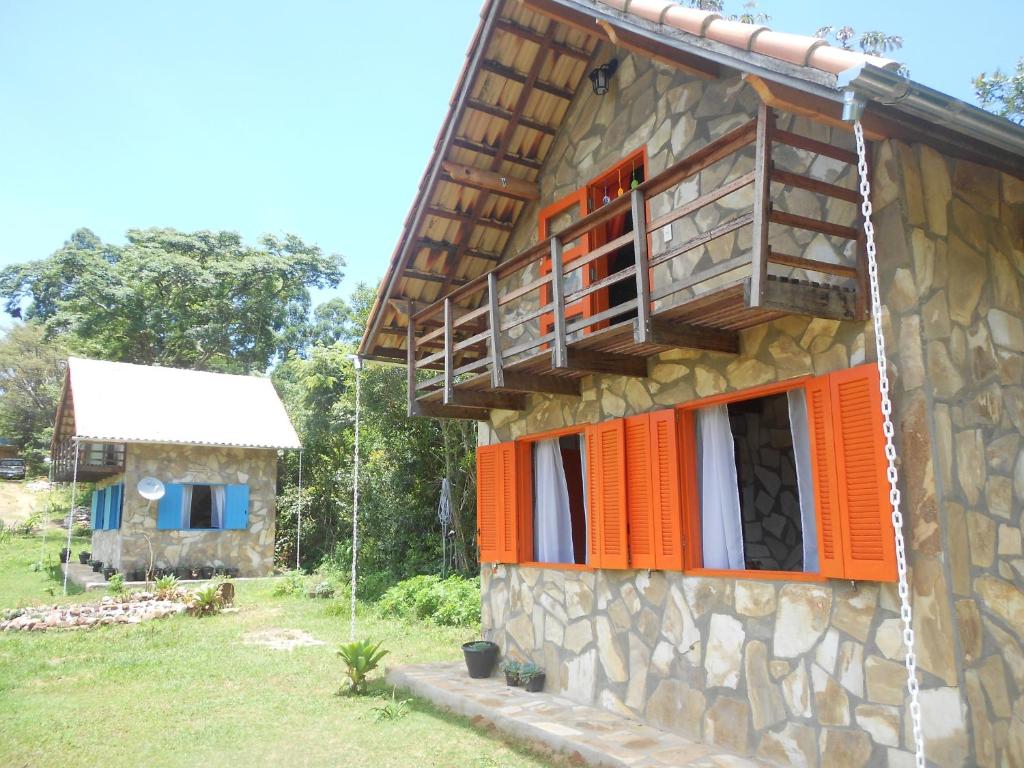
481	655
140	574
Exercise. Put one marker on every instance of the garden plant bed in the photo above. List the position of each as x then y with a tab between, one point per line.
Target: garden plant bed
132	609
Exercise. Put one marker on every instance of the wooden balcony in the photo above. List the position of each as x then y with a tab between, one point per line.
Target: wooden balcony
539	322
96	461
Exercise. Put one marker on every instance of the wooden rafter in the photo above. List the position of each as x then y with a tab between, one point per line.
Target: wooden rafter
504	114
497	68
525	33
468	217
507	186
489	151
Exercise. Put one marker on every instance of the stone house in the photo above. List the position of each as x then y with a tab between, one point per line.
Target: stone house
637	258
212	439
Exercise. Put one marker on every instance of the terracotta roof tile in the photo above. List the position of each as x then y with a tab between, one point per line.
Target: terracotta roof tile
802	50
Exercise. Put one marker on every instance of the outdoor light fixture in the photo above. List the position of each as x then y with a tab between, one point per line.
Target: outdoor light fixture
599	77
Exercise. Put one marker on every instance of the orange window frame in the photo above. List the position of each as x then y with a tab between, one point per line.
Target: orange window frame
692	550
524	511
589	198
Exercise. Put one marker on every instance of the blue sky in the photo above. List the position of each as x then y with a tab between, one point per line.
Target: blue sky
310	117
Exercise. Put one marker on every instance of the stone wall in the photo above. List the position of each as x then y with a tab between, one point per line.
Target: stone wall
812	673
251	550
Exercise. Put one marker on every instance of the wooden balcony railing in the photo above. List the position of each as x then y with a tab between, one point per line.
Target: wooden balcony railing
507	332
95	460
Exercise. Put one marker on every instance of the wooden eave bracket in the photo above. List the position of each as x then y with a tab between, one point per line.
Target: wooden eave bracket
820	110
668	333
797	298
491	181
604	362
549	385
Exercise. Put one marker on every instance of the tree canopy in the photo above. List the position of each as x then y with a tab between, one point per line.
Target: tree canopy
186	299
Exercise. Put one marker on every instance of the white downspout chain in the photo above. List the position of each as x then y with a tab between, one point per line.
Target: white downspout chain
890	449
355	506
71	514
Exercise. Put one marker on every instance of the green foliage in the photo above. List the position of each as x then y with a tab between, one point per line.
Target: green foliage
30	381
290	584
115	585
395	709
206	601
166	587
529	671
361	657
451	602
1002	93
186	299
513	670
81	530
321	590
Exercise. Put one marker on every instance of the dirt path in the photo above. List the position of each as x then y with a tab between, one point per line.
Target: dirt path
17	502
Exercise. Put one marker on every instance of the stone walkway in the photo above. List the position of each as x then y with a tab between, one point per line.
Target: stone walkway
597	736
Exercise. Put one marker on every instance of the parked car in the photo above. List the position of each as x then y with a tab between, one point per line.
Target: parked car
12	469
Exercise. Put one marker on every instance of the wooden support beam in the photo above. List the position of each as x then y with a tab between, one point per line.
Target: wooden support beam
669	333
505	401
494	319
762	204
820	110
525	33
410	346
509	186
437	245
643	269
439	411
799	298
558	294
787	219
605	362
504	114
515	76
432	277
489	151
449	352
468	218
549	385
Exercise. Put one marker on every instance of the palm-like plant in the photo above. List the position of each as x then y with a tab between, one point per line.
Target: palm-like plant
361	657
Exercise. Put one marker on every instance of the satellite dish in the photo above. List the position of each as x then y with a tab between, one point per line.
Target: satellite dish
151	489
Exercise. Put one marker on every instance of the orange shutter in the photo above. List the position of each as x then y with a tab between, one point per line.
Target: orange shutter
639	491
606	461
826	489
509	540
667	492
496	503
488	503
593	498
868	546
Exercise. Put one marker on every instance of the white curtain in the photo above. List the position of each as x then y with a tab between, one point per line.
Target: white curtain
802	454
217	501
586	498
186	506
722	526
552	523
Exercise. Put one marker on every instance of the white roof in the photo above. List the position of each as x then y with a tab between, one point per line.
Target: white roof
121	402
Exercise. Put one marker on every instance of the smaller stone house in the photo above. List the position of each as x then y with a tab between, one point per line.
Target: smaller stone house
211	439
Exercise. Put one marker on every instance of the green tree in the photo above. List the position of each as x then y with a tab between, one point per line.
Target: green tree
1002	93
31	373
185	299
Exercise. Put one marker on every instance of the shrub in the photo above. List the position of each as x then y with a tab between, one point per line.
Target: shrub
361	657
166	587
115	585
290	584
206	601
321	590
451	602
395	709
81	530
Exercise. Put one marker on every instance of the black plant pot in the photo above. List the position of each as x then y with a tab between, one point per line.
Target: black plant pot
97	565
512	679
84	557
108	572
535	684
65	554
480	658
206	572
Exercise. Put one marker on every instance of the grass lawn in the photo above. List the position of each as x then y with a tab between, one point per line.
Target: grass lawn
185	691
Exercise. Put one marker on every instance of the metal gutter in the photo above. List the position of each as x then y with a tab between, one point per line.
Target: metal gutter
889	89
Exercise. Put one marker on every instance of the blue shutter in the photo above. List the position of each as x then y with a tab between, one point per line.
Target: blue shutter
168	514
114	514
108	497
101	510
236	514
94	521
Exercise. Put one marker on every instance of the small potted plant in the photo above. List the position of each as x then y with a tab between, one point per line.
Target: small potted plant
84	557
109	571
97	565
512	668
65	554
480	657
532	677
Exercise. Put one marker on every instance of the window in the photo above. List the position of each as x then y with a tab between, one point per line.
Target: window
203	506
106	507
756	497
787	478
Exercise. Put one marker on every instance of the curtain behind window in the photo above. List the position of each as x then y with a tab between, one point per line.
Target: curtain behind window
552	524
721	521
802	454
186	506
217	501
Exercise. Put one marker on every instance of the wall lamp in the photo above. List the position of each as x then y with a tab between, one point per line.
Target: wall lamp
600	76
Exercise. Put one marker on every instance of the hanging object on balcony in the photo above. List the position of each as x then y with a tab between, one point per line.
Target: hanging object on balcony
621	190
634	182
606	199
